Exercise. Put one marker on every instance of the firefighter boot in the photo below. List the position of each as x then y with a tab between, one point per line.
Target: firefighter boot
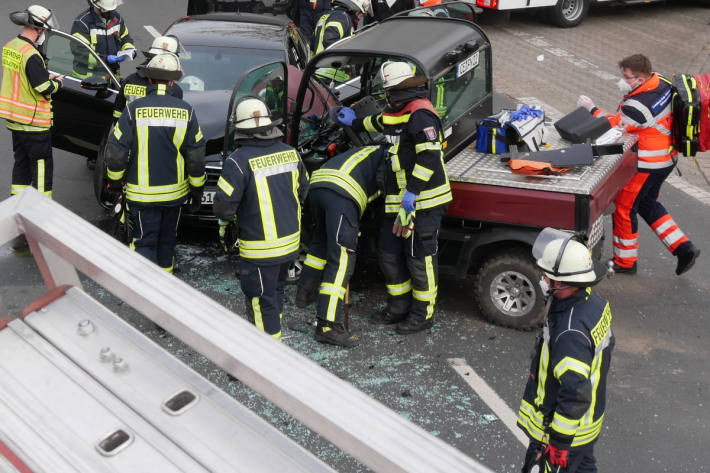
335	334
20	247
305	296
414	325
686	260
385	317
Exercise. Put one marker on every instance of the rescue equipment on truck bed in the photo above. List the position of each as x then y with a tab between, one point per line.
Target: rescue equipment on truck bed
523	126
579	125
557	161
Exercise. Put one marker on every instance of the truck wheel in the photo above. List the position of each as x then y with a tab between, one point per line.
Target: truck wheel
569	13
508	292
99	179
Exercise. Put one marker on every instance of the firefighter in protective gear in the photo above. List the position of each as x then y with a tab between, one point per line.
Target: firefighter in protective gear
103	29
645	111
26	104
563	405
333	26
308	13
340	191
417	192
158	151
261	189
135	85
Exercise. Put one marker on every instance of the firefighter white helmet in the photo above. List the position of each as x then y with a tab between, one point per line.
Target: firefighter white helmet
164	44
164	66
35	16
252	118
104	5
395	73
563	258
358	6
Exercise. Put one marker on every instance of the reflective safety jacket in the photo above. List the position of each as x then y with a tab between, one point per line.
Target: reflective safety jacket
26	89
352	174
263	184
415	155
331	27
103	36
136	86
567	385
159	148
646	111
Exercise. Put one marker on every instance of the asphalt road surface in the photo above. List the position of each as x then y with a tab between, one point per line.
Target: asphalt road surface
659	387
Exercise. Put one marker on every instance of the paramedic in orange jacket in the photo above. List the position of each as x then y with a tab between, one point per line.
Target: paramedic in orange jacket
646	112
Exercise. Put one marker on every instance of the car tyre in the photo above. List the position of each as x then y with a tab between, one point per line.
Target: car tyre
507	290
99	179
568	13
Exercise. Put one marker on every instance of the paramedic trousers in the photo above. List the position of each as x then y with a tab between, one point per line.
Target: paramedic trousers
155	233
331	254
579	459
263	288
639	197
410	265
33	161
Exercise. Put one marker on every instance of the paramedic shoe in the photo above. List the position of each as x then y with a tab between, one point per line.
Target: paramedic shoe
304	297
622	270
687	260
335	334
387	318
414	325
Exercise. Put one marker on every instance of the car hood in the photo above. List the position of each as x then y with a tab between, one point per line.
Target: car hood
211	110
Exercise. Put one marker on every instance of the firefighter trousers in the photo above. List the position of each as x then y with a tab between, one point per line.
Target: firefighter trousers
155	233
410	265
33	161
263	288
579	459
330	262
640	197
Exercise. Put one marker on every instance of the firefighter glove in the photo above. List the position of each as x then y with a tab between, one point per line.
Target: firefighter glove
343	115
223	234
113	59
408	201
195	201
403	223
585	102
556	456
114	188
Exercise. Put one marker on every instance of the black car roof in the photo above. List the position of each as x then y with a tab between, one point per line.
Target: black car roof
422	39
245	30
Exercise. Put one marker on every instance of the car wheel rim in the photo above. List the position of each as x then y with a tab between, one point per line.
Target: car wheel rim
571	9
512	293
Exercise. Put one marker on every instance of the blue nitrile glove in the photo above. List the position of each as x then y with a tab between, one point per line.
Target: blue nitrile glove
315	120
343	115
525	112
113	59
403	223
408	201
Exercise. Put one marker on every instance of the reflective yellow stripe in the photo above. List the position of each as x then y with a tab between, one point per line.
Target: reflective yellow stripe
542	373
314	262
117	133
197	181
428	146
399	289
258	249
40	175
567	363
115	175
117	114
226	187
199	135
337	75
43	86
564	425
258	318
343	181
17	188
422	173
431	283
143	169
178	137
369	125
395	120
156	193
266	208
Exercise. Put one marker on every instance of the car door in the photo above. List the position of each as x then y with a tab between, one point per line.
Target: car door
269	83
82	116
298	48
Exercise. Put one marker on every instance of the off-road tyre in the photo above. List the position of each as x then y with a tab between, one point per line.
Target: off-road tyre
511	277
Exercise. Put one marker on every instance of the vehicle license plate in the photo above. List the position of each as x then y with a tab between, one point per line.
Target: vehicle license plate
467	64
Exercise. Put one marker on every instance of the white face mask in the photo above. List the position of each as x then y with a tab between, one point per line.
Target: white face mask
623	86
40	40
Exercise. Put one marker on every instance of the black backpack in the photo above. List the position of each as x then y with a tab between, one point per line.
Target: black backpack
686	114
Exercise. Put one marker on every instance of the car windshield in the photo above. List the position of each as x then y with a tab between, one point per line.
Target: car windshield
219	68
